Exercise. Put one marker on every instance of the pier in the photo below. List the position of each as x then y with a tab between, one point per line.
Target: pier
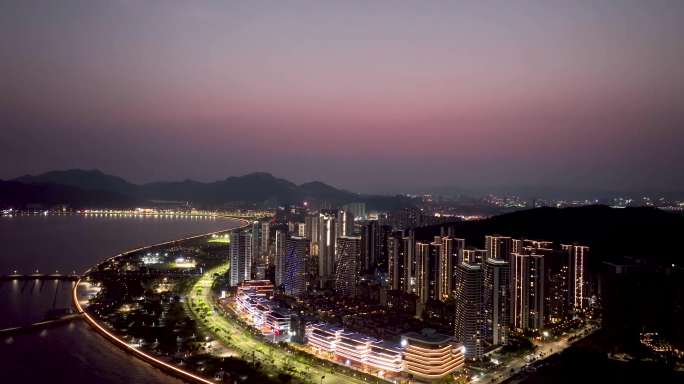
39	325
40	276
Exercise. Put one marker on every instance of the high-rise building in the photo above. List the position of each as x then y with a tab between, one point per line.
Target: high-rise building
499	247
357	209
577	259
410	262
527	291
456	258
517	246
345	223
312	222
496	300
295	261
265	242
427	257
369	245
256	241
395	261
468	322
240	257
279	240
300	229
557	305
448	260
542	244
347	268
473	256
327	236
374	251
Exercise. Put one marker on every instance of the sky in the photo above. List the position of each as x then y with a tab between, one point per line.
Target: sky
372	96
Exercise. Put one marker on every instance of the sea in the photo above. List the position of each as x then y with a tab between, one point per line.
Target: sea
73	352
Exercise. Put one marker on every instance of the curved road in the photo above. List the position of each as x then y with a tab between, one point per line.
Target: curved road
170	368
234	337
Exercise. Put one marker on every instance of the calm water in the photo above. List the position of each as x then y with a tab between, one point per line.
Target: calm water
72	353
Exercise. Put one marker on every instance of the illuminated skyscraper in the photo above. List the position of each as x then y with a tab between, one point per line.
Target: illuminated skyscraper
427	257
370	246
473	256
499	247
312	222
395	261
357	209
240	257
347	268
280	237
256	241
327	236
448	260
295	261
496	300
265	248
577	258
300	229
527	291
345	223
457	257
410	263
469	321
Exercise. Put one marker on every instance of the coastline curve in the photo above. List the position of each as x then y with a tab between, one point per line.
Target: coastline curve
164	366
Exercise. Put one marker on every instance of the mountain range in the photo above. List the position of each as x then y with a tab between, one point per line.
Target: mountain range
93	188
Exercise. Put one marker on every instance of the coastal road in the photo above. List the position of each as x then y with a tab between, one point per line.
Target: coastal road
543	351
233	337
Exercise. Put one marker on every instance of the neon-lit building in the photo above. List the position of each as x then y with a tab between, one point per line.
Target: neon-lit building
386	356
431	355
347	265
323	338
260	287
326	247
355	350
296	257
253	304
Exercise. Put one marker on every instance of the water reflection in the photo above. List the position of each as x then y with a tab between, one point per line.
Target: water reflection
71	352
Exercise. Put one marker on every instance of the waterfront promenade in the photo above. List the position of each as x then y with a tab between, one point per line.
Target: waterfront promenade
81	307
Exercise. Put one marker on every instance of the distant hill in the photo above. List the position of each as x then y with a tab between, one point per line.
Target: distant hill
40	195
89	180
647	233
259	188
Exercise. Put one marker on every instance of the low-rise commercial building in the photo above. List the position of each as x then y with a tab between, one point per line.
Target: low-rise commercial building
431	355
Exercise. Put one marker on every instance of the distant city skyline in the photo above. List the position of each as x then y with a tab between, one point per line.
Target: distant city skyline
384	97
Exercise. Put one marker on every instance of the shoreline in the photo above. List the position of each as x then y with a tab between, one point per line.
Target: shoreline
166	367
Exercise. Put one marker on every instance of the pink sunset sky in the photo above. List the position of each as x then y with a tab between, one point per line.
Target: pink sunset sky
384	96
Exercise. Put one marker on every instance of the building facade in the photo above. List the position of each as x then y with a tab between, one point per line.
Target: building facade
347	265
469	319
496	301
294	272
327	238
240	257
